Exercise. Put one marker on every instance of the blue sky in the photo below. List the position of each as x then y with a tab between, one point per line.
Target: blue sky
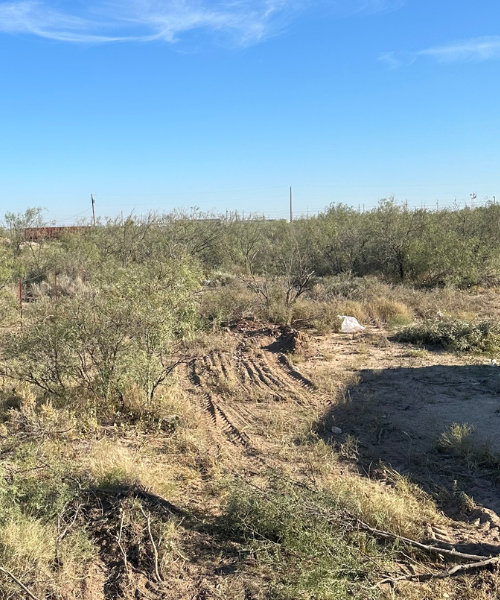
156	104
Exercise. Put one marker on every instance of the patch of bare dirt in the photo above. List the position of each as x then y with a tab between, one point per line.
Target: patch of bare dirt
397	404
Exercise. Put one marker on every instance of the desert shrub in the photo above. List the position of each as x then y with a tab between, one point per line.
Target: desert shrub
304	539
39	420
35	500
456	335
228	304
121	332
322	316
9	306
348	287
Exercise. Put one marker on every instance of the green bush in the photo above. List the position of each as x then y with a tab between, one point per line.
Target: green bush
121	332
456	335
305	539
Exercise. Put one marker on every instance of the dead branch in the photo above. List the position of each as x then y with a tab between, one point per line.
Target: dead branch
425	547
68	527
444	573
469	567
62	535
157	572
19	583
119	540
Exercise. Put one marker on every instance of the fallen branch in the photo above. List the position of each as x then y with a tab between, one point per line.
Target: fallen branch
469	567
157	572
425	547
68	527
442	574
119	540
19	583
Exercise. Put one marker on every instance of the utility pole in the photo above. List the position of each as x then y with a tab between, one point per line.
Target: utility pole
93	208
291	206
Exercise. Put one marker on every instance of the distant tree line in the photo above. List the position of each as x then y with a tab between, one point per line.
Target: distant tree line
412	246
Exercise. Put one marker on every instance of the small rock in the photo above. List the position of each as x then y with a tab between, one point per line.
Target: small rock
336	430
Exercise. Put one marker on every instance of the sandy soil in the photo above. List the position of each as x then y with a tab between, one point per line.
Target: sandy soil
400	400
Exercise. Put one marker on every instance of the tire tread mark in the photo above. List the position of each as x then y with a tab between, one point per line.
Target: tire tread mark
210	407
207	402
306	383
231	430
251	374
266	380
218	360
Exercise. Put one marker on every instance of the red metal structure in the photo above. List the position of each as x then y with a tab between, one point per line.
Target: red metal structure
33	234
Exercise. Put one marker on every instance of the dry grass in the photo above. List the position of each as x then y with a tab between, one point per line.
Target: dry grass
460	439
171	448
27	549
369	300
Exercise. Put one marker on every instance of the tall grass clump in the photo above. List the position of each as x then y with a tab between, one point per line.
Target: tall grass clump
460	440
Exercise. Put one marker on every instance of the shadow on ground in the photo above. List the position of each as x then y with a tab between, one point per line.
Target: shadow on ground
397	414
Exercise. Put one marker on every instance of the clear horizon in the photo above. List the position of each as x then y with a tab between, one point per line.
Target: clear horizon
174	104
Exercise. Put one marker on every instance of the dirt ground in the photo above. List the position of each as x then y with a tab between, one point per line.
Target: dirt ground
394	399
400	399
390	400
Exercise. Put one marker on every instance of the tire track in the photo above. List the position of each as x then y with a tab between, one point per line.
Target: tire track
263	377
284	384
251	373
218	359
209	404
231	431
306	383
259	379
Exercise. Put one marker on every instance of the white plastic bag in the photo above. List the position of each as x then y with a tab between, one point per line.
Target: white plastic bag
350	325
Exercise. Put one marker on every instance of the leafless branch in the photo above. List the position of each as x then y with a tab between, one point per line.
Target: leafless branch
157	572
19	583
119	540
434	549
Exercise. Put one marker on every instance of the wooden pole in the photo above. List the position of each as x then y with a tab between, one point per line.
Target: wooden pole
291	206
21	300
93	208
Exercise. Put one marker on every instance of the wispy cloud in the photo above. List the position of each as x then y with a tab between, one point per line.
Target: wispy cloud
245	21
473	50
477	49
370	6
397	59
